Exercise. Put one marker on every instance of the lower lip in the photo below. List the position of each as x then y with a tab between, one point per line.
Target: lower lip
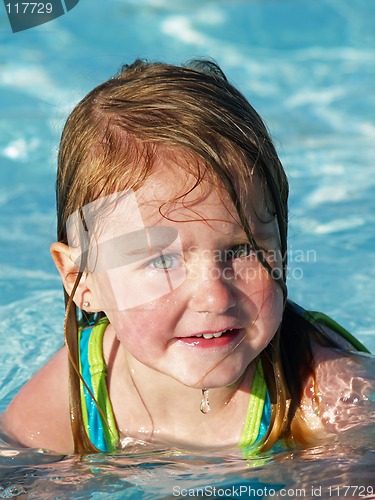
200	342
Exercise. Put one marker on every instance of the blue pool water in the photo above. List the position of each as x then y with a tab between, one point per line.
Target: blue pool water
308	67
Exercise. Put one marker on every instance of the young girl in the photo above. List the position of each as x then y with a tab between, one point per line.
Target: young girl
172	244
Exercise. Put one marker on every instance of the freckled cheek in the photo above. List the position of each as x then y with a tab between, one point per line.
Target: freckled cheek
137	339
253	280
264	301
140	326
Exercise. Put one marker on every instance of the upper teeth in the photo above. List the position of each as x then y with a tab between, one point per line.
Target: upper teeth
211	335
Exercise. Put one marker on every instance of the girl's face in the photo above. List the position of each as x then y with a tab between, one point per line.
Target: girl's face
187	296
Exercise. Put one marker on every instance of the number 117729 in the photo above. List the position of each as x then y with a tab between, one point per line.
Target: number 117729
29	8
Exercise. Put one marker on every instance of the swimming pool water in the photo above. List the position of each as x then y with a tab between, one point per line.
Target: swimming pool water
309	69
325	471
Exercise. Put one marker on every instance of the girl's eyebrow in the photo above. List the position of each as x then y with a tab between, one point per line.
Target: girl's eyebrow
136	245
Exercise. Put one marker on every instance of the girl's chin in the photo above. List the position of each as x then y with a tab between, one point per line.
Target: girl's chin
212	379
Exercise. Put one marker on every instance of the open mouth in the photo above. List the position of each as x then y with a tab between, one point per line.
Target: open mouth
213	335
217	339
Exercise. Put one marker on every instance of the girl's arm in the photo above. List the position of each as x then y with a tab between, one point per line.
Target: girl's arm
344	395
38	416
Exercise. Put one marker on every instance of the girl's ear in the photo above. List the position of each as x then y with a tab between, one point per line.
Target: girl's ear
62	256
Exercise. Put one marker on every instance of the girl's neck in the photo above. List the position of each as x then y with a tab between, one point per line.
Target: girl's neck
151	406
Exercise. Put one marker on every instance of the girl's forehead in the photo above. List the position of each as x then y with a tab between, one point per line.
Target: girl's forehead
178	197
181	185
173	193
160	202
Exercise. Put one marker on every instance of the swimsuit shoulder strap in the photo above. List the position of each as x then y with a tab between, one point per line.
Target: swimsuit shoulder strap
97	410
335	331
323	319
258	413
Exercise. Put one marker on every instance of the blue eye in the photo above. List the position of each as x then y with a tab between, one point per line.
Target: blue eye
164	262
240	251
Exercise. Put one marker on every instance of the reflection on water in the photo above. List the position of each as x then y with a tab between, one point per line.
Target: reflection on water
145	472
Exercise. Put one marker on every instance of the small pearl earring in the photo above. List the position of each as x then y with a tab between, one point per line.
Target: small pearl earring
86	304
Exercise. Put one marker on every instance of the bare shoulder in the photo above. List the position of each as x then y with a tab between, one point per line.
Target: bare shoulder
344	388
38	416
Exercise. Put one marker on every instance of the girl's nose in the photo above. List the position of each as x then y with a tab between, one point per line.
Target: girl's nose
212	291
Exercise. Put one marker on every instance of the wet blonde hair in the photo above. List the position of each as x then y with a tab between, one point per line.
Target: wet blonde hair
109	143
